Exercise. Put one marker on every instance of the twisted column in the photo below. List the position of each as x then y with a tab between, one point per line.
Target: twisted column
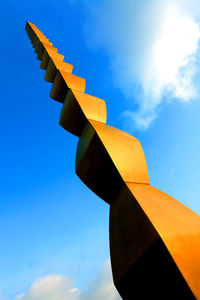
154	239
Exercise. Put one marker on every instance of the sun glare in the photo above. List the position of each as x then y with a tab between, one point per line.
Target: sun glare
173	54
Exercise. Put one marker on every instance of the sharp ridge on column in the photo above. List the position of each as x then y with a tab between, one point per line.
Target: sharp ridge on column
112	164
85	111
58	72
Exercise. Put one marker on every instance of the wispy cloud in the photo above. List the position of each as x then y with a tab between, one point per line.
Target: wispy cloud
102	287
59	287
51	287
2	297
152	47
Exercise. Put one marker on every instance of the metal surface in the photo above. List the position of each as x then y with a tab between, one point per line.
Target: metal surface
154	239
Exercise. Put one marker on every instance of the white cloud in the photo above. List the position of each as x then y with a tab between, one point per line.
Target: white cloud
152	47
51	287
171	60
102	287
58	287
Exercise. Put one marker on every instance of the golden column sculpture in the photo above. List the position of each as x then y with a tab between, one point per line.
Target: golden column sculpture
154	239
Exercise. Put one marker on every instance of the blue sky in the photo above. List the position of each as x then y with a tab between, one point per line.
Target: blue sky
53	229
